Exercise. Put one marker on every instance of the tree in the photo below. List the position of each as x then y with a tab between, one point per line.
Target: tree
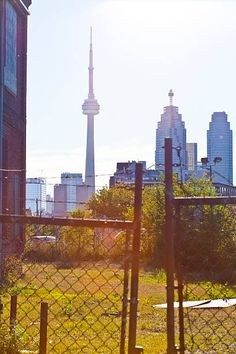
111	203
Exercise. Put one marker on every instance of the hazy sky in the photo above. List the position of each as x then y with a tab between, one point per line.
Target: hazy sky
141	50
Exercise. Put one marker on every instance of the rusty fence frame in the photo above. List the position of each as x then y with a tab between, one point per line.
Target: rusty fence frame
131	261
172	236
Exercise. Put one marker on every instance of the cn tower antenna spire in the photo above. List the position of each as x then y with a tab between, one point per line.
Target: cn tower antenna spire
90	108
91	68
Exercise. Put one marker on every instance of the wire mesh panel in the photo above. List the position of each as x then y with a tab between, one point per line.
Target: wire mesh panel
79	272
206	263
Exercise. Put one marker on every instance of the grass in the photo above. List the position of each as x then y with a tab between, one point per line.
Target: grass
85	305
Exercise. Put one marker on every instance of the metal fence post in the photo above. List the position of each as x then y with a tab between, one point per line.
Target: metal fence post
135	260
13	309
125	293
43	328
169	246
179	275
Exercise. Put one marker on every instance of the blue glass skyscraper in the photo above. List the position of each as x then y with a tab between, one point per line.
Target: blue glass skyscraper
219	144
172	126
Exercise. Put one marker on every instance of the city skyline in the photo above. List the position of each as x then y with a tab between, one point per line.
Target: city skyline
135	67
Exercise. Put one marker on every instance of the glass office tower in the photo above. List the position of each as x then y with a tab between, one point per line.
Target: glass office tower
219	144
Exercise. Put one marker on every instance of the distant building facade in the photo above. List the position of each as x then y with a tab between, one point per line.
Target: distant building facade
220	144
13	68
70	194
36	195
171	126
191	149
49	205
125	173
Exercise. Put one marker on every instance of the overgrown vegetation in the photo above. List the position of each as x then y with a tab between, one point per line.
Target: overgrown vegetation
82	307
208	233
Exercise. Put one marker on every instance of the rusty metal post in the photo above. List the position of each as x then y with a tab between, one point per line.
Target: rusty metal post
169	247
43	328
135	259
125	293
179	275
13	309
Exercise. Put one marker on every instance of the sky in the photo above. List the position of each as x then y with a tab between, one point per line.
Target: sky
142	49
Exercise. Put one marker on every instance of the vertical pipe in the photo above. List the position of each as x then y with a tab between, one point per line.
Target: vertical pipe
179	275
125	294
135	258
43	328
13	309
169	246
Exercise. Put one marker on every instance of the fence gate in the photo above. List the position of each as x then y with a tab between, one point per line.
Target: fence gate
201	264
201	276
72	284
205	246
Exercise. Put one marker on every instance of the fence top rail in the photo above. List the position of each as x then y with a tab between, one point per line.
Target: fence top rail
75	222
204	200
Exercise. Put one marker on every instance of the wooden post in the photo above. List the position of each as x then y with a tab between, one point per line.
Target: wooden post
13	308
43	328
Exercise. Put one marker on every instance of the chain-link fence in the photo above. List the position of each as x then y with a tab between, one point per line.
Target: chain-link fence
81	272
206	261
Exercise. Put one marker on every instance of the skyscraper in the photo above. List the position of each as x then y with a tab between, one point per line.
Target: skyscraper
70	194
219	144
172	126
90	108
191	149
36	195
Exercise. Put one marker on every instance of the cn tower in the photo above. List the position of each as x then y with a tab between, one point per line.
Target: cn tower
90	108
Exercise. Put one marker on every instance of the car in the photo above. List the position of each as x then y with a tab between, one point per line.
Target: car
43	242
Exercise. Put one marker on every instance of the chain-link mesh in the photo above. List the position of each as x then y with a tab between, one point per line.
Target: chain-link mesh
206	263
79	272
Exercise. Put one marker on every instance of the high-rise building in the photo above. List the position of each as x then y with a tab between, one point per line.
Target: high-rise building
36	195
71	181
13	69
171	126
191	149
90	109
49	205
219	144
70	194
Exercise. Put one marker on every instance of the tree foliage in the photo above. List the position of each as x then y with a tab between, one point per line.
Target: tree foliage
112	203
208	233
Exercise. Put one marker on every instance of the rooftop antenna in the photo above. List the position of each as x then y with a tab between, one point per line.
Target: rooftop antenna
171	94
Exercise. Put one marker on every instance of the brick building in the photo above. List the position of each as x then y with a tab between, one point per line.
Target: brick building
13	61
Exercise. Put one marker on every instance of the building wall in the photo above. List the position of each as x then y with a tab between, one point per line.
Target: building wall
49	205
72	193
191	149
60	200
219	144
13	54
